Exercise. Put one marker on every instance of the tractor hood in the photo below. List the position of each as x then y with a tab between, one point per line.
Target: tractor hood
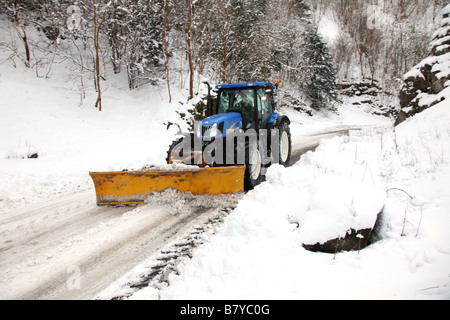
219	125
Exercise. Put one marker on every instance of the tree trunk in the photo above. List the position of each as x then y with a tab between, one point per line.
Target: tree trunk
224	44
23	34
115	43
166	49
97	26
189	52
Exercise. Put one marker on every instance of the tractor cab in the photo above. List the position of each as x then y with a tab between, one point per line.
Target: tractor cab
239	106
254	101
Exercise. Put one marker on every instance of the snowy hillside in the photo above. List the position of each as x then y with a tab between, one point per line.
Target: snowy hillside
45	117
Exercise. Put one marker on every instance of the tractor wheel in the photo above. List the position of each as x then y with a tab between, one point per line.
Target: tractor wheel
254	166
285	144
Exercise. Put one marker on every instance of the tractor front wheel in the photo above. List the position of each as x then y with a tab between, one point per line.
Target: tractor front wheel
254	166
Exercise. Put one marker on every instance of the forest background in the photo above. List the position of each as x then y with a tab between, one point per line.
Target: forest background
316	48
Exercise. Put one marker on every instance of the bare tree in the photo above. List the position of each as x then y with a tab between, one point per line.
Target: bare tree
97	27
166	46
20	25
189	50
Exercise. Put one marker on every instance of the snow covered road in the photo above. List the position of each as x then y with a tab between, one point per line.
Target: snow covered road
69	248
303	144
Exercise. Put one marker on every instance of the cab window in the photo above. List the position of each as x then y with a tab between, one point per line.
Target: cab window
235	99
264	101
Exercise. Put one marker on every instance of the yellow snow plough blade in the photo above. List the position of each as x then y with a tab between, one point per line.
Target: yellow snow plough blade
133	187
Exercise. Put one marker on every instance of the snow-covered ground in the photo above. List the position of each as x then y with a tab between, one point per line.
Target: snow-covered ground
257	253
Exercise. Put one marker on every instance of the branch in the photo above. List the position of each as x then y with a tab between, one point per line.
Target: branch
398	189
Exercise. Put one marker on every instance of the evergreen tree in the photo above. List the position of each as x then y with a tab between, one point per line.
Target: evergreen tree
319	73
144	40
287	23
117	30
248	61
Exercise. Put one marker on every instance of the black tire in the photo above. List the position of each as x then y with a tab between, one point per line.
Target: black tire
179	145
285	144
253	166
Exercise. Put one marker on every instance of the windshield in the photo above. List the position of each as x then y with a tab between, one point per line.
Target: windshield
241	99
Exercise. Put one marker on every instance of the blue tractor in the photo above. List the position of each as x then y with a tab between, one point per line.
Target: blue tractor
241	128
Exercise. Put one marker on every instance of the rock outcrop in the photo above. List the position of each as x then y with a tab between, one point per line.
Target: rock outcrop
353	241
369	95
424	85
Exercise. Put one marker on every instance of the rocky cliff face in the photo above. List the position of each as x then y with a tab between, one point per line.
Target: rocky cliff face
370	96
425	84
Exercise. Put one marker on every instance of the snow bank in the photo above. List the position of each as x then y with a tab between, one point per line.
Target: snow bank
337	205
335	188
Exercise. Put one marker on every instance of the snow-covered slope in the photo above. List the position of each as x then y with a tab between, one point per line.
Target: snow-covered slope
44	117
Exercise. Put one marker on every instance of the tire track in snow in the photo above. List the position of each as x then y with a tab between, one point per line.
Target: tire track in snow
37	246
157	269
32	238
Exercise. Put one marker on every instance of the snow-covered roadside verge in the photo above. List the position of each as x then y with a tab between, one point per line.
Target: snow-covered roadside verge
257	254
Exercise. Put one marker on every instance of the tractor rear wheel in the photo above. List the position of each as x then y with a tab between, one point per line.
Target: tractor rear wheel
254	166
285	144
